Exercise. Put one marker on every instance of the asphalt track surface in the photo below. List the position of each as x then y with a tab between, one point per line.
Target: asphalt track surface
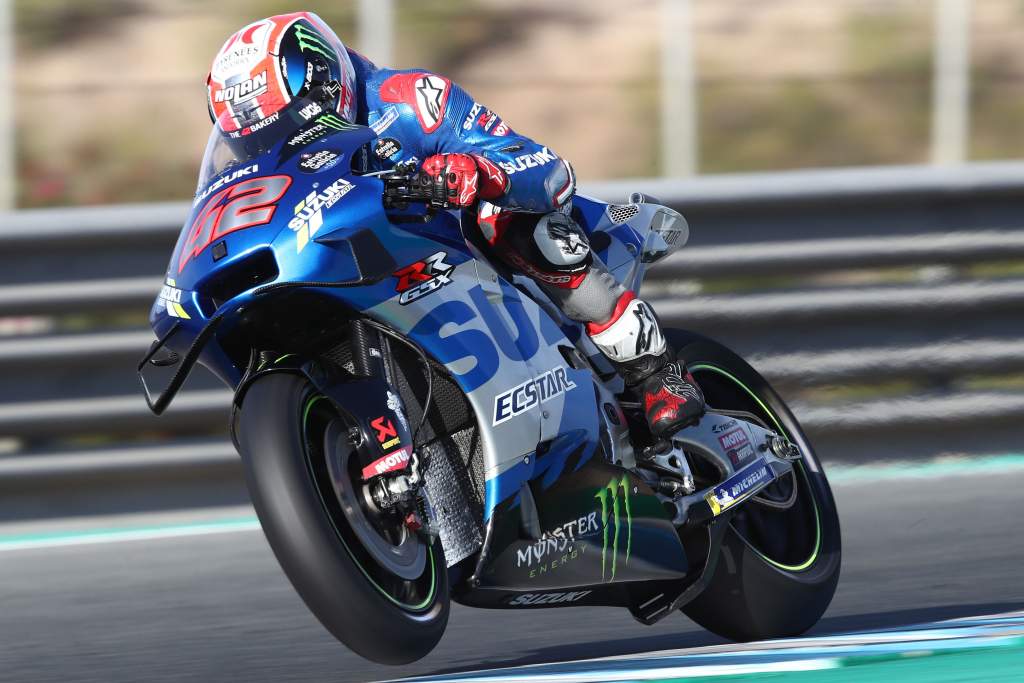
218	608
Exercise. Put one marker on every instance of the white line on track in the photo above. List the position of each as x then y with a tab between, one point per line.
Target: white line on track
838	475
92	537
659	674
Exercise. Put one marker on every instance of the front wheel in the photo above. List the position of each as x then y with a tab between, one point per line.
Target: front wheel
376	586
781	554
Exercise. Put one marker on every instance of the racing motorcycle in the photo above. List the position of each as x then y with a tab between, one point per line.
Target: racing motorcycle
419	424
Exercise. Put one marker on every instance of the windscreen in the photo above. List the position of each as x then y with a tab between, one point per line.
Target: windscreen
227	150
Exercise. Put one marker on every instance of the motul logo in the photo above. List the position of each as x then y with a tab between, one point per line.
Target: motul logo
246	90
395	460
733	439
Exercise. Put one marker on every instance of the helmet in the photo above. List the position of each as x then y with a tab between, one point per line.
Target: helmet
288	60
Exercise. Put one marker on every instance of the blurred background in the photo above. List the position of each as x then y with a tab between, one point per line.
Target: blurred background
108	95
847	168
851	173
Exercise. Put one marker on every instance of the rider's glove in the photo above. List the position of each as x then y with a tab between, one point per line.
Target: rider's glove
466	177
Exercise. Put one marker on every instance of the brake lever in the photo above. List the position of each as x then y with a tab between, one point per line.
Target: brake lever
406	185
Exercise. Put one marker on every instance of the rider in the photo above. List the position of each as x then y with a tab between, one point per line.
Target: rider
522	191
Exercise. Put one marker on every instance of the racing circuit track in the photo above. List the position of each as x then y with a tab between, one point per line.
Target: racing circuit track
932	542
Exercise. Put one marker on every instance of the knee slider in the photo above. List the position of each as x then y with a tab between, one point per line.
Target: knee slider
561	242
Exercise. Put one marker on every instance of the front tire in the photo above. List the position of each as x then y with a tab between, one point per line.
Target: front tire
778	568
380	615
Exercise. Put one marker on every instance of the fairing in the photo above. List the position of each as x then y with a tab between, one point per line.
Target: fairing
520	363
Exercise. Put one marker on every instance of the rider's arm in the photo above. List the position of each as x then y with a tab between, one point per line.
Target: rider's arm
452	122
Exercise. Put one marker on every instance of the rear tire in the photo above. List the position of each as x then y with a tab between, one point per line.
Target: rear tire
778	569
387	620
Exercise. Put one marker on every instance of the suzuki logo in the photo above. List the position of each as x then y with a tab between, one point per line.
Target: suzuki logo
614	499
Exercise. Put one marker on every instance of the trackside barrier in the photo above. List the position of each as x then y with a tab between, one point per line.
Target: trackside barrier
903	283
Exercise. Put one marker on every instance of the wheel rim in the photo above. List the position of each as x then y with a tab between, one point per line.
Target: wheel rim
394	548
768	531
389	564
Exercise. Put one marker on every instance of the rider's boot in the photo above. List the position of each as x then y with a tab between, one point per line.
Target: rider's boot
633	340
555	251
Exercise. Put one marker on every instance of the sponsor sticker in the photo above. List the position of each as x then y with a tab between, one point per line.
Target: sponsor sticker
419	279
310	110
243	51
531	393
170	300
392	462
324	125
737	446
431	94
525	161
530	599
395	406
225	180
557	547
471	116
260	125
311	41
314	162
387	435
616	517
612	520
490	122
740	486
243	91
309	213
389	116
385	148
724	426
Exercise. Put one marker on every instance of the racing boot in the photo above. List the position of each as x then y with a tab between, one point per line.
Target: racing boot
672	400
632	339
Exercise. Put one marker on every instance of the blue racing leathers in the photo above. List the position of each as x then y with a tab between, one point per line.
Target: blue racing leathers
527	218
417	114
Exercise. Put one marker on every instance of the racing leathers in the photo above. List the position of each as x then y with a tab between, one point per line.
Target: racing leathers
522	192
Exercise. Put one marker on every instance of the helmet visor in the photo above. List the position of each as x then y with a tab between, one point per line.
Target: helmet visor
226	150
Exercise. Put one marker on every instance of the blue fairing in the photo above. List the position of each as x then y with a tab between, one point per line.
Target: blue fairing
490	336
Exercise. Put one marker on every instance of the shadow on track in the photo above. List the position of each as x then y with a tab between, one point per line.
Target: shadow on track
699	638
909	617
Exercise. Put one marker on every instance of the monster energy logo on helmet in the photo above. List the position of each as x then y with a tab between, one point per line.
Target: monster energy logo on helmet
614	499
310	41
335	122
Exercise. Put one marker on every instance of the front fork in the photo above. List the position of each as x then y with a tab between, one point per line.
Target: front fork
379	430
393	476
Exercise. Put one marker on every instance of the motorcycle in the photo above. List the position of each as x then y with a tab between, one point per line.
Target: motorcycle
420	424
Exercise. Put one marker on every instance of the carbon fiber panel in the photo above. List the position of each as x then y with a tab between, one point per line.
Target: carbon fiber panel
451	489
450	444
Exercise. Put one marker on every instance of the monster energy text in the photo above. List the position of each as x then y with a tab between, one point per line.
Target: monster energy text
558	546
323	125
615	509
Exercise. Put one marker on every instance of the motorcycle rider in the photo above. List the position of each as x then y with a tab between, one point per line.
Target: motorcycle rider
522	191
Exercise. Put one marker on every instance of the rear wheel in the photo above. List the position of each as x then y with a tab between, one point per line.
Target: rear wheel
376	586
781	555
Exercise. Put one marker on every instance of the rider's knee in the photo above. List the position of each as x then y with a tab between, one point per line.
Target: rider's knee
560	244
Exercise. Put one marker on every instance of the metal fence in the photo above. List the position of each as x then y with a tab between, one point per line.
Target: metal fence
886	304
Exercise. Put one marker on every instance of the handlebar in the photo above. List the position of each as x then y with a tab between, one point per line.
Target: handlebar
404	185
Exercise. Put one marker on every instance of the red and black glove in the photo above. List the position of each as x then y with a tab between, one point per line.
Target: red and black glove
466	177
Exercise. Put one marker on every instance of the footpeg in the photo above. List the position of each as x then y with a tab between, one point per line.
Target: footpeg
675	487
665	457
